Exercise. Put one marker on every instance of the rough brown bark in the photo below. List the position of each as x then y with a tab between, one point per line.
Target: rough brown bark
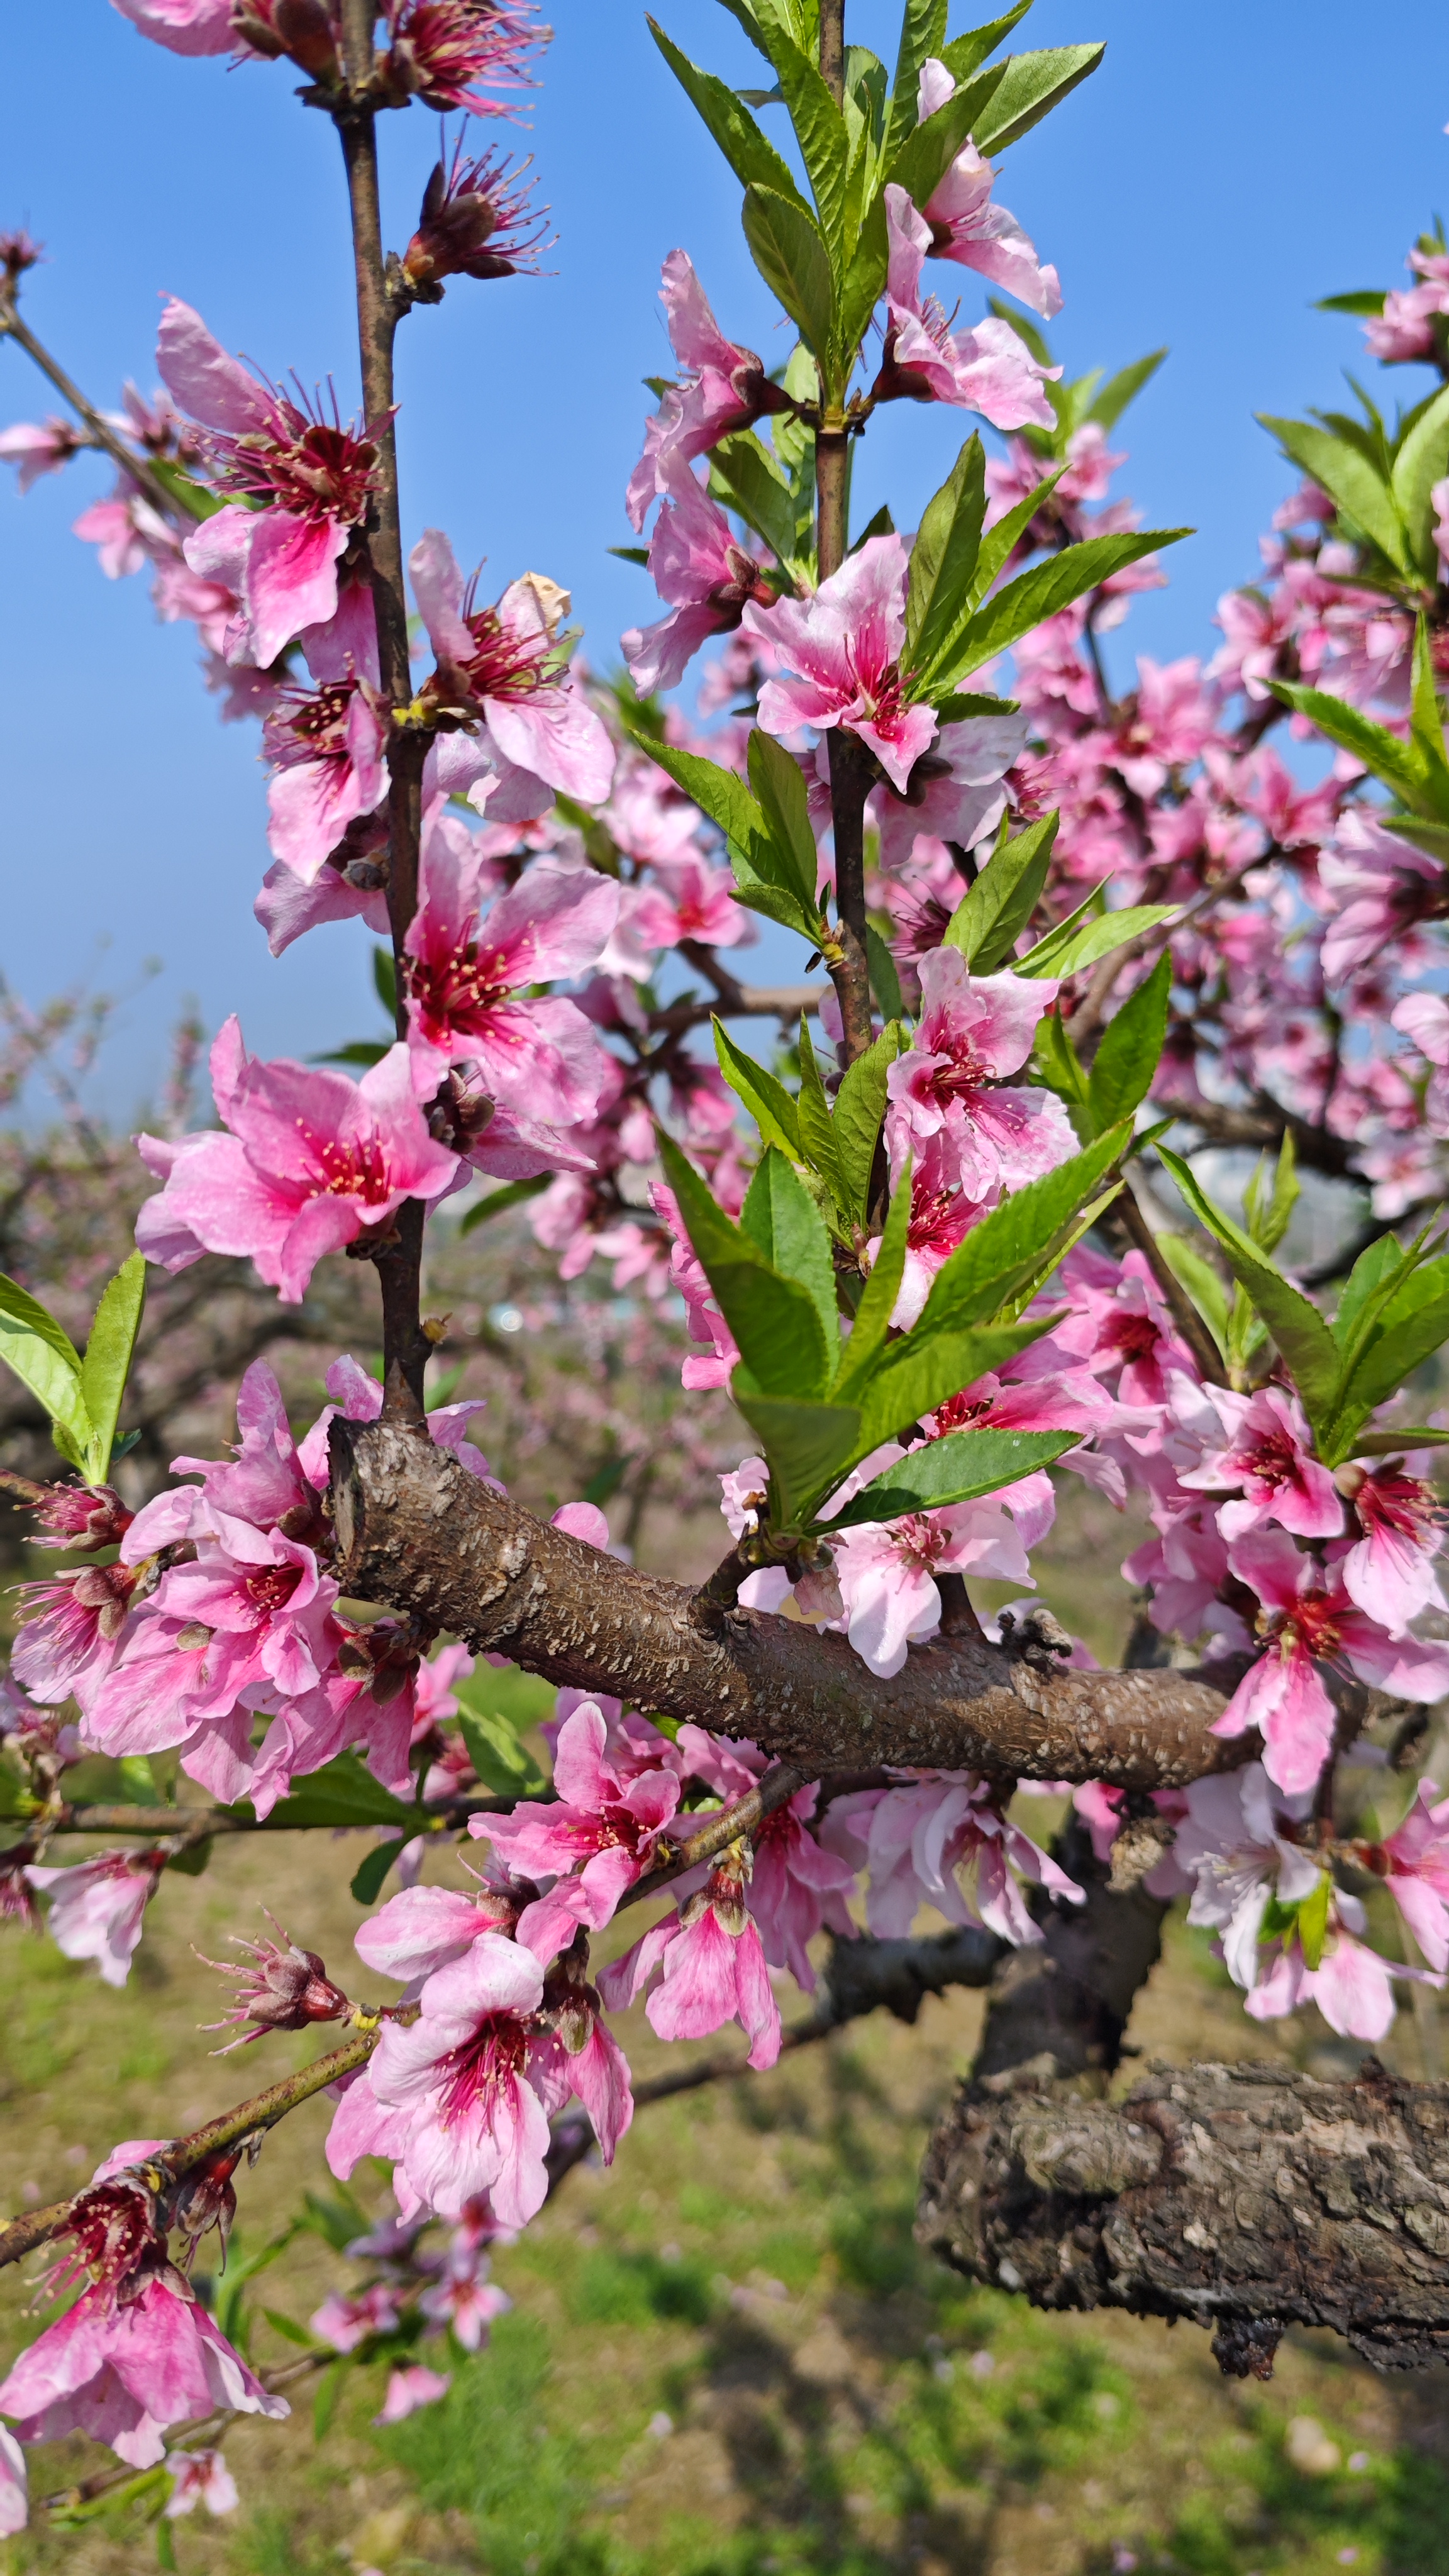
1248	2198
1059	2010
418	1533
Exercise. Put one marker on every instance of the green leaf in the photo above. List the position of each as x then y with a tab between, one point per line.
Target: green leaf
1007	1248
922	1370
1039	593
716	791
780	1216
807	1446
42	1355
864	280
193	497
1431	838
1368	1287
1365	300
885	983
999	541
1346	475
1313	1922
287	2328
1196	1274
1399	764
878	1297
384	977
497	1203
953	1470
107	1363
363	1051
1033	86
1411	1328
744	477
821	134
498	1758
369	1875
860	1107
993	913
817	1128
780	792
929	149
1426	729
943	557
1107	407
1057	1060
964	53
629	554
343	1792
1422	461
767	896
1131	1045
923	34
773	1319
1405	1436
1293	1320
1067	949
751	156
793	261
1269	1220
767	1100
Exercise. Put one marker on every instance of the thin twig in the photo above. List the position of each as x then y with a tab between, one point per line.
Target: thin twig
136	467
719	1831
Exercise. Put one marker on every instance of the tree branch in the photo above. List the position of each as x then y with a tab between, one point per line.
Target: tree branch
418	1533
1246	2197
406	1349
135	467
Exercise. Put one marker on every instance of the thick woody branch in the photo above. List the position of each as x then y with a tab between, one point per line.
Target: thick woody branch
1060	2008
418	1533
1248	2198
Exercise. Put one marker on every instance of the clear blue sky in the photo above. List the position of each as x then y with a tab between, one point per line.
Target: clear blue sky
1224	168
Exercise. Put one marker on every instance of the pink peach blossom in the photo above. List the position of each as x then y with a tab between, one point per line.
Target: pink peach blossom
966	226
724	387
989	370
845	645
308	1161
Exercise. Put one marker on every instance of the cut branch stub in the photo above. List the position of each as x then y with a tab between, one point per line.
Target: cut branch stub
1248	2198
418	1533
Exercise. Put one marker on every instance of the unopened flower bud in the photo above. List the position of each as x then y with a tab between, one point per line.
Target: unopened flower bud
80	1516
17	253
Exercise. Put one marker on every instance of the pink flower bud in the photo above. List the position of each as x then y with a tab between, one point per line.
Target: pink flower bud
282	1989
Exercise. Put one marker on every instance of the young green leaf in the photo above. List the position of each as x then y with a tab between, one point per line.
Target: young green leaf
993	913
1411	1327
781	1219
367	1881
999	540
1293	1320
953	1470
1010	613
817	1128
766	1099
860	1106
793	261
807	1447
1071	946
921	1371
716	791
1057	1060
43	1357
496	1754
344	1792
750	155
1270	1217
963	55
1107	407
780	793
1421	462
1369	1286
820	131
773	1319
923	33
943	558
497	1203
1008	1247
878	1297
1131	1045
885	982
384	980
1400	765
1349	480
1033	86
745	478
107	1363
1196	1274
